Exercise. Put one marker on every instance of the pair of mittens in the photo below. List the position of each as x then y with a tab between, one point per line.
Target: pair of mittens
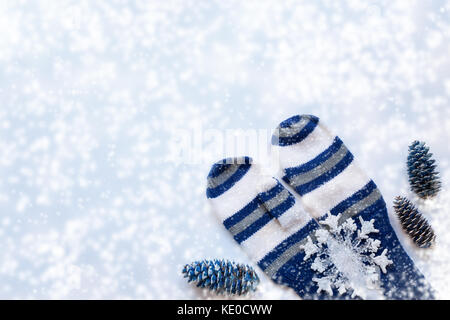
336	242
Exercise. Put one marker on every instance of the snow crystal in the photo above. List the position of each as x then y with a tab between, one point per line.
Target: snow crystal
345	258
96	95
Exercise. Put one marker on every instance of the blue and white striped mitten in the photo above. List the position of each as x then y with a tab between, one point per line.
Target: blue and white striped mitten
272	228
336	192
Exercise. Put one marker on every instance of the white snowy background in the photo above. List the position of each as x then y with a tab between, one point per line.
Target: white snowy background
93	202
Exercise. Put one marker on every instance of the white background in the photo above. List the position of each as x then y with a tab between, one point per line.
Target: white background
94	202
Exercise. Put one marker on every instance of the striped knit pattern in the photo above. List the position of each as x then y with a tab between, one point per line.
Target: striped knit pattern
225	174
322	170
309	176
264	218
258	212
294	130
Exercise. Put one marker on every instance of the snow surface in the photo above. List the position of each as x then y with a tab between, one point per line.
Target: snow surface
96	95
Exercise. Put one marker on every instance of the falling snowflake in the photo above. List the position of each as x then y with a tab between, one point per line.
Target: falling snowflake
345	257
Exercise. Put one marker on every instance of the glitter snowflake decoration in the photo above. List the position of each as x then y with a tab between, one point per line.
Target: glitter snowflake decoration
346	257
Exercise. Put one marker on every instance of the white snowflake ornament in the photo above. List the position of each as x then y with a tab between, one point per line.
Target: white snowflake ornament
346	257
